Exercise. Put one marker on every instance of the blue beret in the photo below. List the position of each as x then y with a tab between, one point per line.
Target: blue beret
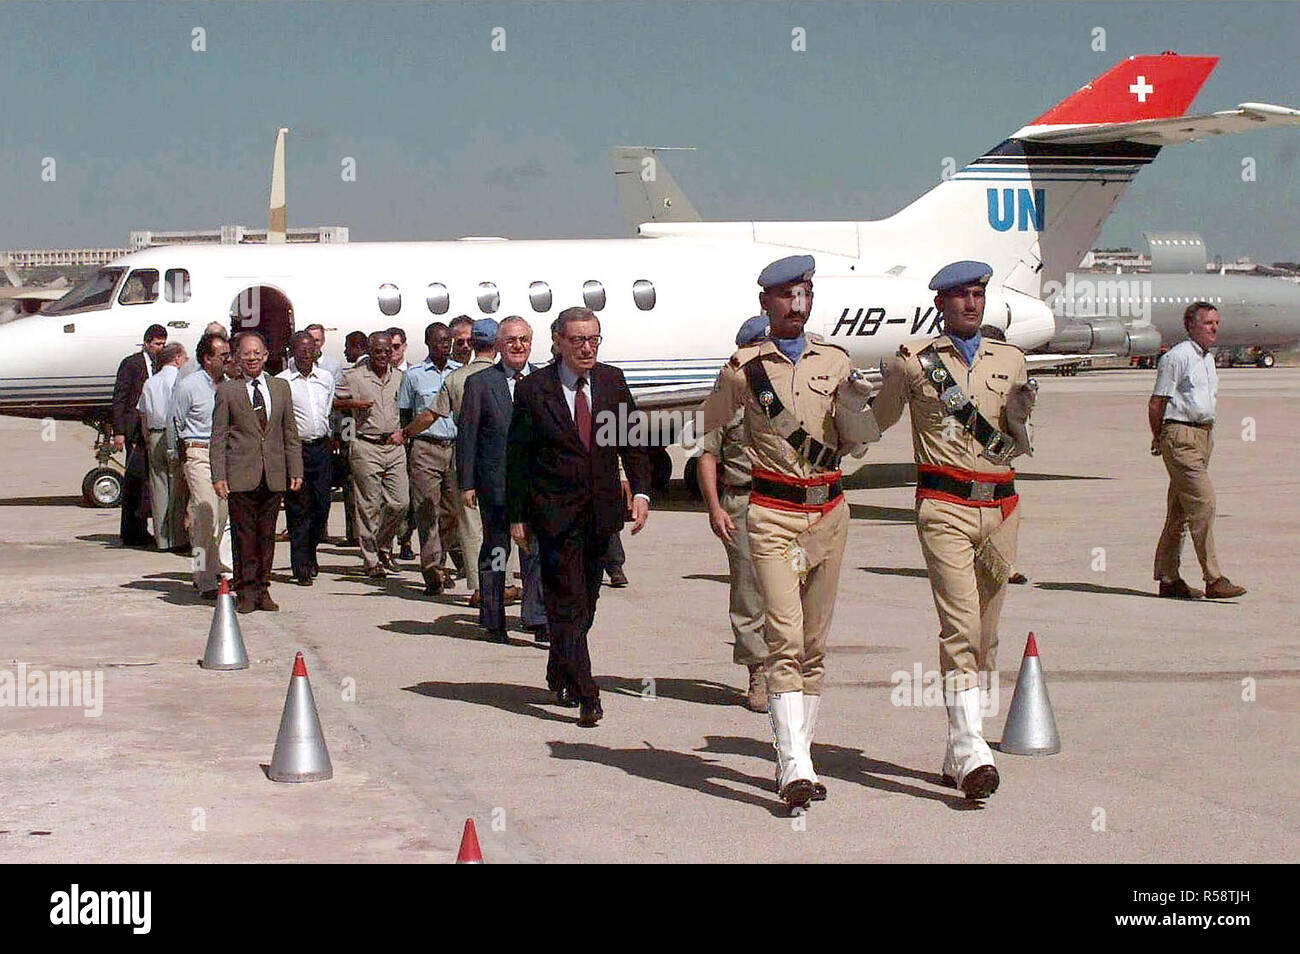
959	274
483	332
754	329
792	268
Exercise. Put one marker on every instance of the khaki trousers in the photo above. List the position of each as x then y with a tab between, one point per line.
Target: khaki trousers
746	606
966	597
1190	501
797	615
167	493
437	501
381	494
209	522
469	528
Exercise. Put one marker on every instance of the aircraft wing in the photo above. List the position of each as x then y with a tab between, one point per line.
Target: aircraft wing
1167	132
1045	362
671	397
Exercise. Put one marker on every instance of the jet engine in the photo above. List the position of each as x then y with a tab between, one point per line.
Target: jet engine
1105	336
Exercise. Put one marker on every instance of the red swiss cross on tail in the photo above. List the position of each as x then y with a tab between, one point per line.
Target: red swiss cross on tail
1141	87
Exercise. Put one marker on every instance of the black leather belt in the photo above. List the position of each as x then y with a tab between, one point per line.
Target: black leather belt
371	439
314	441
966	489
440	441
1205	425
810	496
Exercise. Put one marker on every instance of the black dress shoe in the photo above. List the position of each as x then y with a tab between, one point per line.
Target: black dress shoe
303	580
617	578
498	636
590	714
564	697
315	570
542	636
1178	589
433	589
406	552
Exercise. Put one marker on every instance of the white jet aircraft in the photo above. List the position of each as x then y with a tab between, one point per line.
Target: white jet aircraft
671	299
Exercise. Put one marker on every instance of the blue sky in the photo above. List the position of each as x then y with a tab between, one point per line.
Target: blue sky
451	138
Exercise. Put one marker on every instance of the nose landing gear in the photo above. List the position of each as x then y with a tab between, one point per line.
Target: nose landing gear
102	485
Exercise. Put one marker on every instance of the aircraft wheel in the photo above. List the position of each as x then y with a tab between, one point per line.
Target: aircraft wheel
1266	361
691	477
661	468
102	487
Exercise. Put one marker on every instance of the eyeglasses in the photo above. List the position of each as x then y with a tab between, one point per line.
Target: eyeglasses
579	340
523	339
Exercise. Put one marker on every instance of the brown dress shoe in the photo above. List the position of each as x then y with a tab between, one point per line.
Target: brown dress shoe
246	605
386	560
268	604
514	594
475	599
981	782
798	794
617	578
1223	589
1179	590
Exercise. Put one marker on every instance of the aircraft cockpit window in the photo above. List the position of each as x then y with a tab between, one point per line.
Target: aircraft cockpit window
93	294
437	298
140	288
643	293
539	293
177	286
390	299
489	299
593	295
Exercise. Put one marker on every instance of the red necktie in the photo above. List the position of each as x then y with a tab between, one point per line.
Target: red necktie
582	412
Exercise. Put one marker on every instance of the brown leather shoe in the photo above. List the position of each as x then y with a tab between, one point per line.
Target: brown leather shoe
268	604
798	794
617	578
1223	589
590	714
1179	590
448	579
981	782
514	594
386	560
475	599
246	606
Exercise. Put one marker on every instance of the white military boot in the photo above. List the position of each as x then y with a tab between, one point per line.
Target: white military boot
794	768
810	706
968	761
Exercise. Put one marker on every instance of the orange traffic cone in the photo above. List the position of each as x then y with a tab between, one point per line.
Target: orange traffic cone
469	853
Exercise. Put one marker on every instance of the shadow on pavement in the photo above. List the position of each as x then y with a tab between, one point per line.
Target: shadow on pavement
702	691
684	769
455	626
66	501
517	700
173	588
897	571
1096	588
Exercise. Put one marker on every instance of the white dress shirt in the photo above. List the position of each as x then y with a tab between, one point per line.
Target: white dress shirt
513	376
156	398
265	388
569	385
313	399
1187	376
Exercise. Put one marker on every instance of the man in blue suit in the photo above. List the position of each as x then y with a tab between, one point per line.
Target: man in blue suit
482	429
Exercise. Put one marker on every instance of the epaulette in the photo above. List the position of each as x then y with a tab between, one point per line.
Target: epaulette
819	340
746	354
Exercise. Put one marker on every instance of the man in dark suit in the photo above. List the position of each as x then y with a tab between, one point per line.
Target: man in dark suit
128	435
481	432
572	422
256	455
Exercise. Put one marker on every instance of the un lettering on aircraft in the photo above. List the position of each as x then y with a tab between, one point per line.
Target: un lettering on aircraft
1003	209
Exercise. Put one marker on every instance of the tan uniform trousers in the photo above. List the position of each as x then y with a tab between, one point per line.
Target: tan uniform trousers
209	522
1186	453
437	502
797	615
167	493
469	527
967	599
746	606
381	492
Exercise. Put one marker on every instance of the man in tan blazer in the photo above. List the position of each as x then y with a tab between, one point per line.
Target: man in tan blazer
256	456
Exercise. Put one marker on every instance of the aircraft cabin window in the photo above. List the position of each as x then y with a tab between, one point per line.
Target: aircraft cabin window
643	293
93	294
390	299
437	299
489	299
141	287
593	295
177	286
539	293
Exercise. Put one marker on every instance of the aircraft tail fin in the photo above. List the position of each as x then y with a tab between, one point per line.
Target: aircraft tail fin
277	226
11	273
646	188
1034	204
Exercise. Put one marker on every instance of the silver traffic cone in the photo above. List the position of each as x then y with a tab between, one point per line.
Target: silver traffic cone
300	753
225	648
1030	728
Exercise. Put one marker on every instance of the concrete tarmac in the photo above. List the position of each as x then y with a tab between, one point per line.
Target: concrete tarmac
1178	720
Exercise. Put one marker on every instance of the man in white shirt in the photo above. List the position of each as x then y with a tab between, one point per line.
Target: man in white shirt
332	365
1181	415
307	510
166	487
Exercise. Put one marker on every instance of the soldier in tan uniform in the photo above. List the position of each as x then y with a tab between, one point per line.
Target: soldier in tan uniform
970	399
725	480
376	457
803	410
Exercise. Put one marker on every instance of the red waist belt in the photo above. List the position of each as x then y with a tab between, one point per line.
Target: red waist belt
967	487
819	494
